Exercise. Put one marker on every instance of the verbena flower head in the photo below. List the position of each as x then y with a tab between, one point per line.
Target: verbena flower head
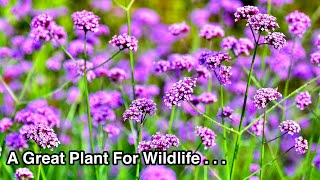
264	95
263	22
228	43
5	124
112	130
86	21
298	23
181	61
243	46
210	31
42	20
289	127
225	112
159	142
207	136
215	59
124	41
180	91
315	58
203	56
157	172
276	39
301	145
245	12
203	72
162	66
207	98
179	28
138	110
43	135
117	75
23	174
224	75
16	141
303	99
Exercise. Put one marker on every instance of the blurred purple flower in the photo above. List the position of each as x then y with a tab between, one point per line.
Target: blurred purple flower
303	99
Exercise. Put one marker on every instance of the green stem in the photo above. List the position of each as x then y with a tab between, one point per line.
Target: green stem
171	118
88	101
198	147
225	145
262	144
262	167
237	144
139	160
210	119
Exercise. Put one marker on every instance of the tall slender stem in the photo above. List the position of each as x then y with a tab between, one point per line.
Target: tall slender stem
225	145
86	89
139	160
130	52
173	110
237	144
262	144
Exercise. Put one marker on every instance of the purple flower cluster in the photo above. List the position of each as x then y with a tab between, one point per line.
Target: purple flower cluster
38	112
315	58
112	130
224	75
210	31
5	124
117	75
180	62
301	145
43	135
157	172
245	12
243	46
16	141
23	174
298	23
124	41
207	98
86	21
215	59
180	91
138	110
289	127
44	28
207	136
102	104
162	66
159	142
264	95
277	39
303	99
228	43
225	112
179	28
263	22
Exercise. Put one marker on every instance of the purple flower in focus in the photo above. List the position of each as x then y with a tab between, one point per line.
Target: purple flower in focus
86	21
157	172
138	110
43	135
179	28
289	127
5	124
224	75
124	41
303	99
315	58
263	22
180	91
23	174
298	23
42	20
210	31
245	12
159	142
301	145
207	136
264	95
215	59
276	39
